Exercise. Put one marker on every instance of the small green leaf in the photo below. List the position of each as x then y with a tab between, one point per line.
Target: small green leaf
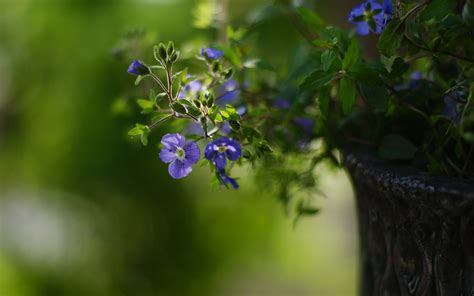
327	59
162	54
469	136
468	13
178	107
398	68
317	79
139	79
395	147
368	73
391	38
144	139
324	100
135	132
347	92
438	9
352	55
145	104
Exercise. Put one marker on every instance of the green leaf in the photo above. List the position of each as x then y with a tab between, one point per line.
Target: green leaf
317	79
231	54
310	19
376	96
146	105
438	9
135	132
398	68
347	92
139	79
469	136
178	107
468	13
144	138
352	55
368	73
324	100
327	59
391	38
395	147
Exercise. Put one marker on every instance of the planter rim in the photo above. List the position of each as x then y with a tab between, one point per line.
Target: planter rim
389	177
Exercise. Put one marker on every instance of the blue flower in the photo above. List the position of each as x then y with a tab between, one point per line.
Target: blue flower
225	179
371	16
281	104
138	68
227	92
190	89
454	103
180	154
210	53
306	124
415	78
219	150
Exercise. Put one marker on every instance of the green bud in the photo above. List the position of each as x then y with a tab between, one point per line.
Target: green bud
210	101
246	154
229	73
215	67
196	103
170	48
162	52
174	57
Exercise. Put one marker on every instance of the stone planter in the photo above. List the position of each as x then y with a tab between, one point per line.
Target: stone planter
416	231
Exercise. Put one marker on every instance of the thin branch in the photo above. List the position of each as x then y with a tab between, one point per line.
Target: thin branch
162	120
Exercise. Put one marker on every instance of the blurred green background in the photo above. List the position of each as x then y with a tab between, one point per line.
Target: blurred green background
86	211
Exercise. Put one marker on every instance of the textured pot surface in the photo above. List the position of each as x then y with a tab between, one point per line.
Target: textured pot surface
416	231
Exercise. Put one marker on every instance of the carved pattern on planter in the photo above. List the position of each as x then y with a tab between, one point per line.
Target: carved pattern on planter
416	231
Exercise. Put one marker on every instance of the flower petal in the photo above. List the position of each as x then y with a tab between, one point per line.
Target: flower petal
234	151
179	169
388	7
225	179
356	12
362	28
192	152
211	151
220	161
167	155
172	141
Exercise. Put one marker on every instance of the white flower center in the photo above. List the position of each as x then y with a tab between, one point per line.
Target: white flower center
222	149
180	154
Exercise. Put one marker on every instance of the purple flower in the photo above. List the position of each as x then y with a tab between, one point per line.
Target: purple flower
454	103
281	104
180	154
210	53
306	124
194	128
225	128
415	77
225	179
219	150
227	92
371	16
241	110
191	88
138	68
